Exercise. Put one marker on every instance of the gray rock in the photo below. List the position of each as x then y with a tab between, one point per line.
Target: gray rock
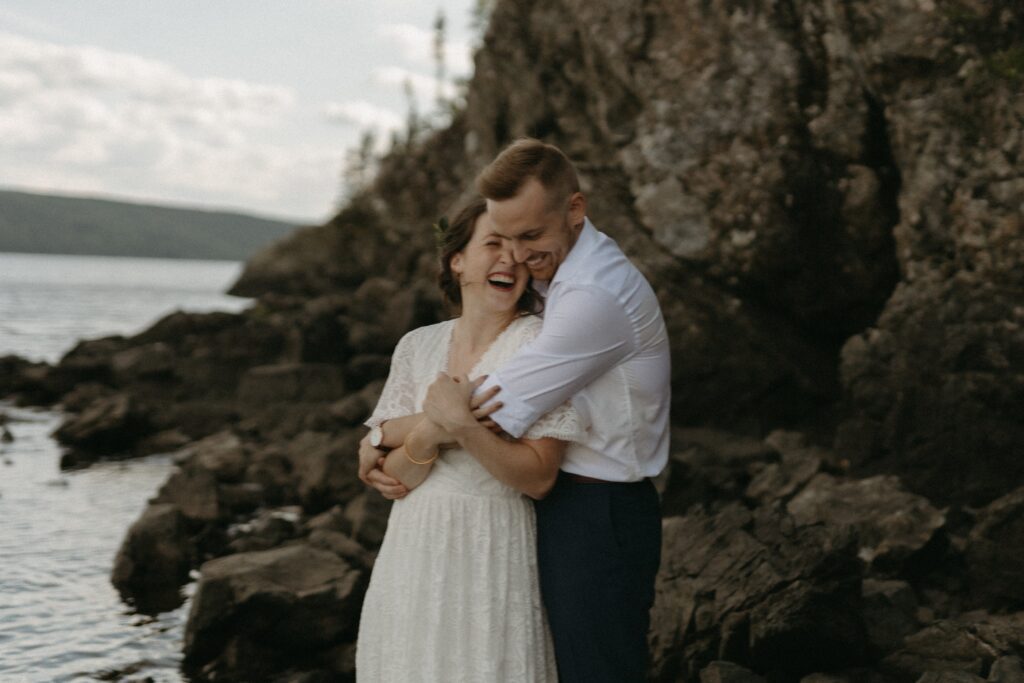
758	590
291	382
995	551
970	644
1007	670
272	607
107	426
890	613
154	558
728	672
893	525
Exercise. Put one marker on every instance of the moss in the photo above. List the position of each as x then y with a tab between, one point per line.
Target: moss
1008	63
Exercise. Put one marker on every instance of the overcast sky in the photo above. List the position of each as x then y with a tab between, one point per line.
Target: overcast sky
243	104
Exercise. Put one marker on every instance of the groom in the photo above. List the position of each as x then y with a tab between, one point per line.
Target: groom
604	346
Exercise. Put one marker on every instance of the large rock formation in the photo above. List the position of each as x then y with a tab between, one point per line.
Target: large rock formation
826	196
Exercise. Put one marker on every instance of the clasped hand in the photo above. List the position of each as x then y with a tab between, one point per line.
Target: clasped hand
451	404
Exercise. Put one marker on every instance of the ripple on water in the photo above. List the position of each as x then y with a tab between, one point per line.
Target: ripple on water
60	618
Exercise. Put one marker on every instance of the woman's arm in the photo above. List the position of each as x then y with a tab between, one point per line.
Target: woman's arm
527	465
422	444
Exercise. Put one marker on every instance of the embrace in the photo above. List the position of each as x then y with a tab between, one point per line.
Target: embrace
552	384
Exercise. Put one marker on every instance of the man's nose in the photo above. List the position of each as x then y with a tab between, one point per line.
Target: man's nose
519	253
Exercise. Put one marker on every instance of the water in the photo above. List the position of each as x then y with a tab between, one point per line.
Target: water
48	301
60	618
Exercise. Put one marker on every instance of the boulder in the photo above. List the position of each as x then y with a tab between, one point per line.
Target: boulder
260	613
894	526
759	590
995	552
326	468
890	613
107	427
154	559
708	466
970	644
291	382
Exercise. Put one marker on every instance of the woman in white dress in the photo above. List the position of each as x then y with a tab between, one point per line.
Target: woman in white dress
454	596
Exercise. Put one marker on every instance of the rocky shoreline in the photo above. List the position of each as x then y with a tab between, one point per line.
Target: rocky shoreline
826	198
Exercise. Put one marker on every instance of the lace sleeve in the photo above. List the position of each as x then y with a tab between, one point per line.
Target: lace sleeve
561	423
398	398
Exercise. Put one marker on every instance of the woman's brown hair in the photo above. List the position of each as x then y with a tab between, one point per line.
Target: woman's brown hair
452	237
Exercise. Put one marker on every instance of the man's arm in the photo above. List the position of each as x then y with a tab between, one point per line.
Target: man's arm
583	337
530	466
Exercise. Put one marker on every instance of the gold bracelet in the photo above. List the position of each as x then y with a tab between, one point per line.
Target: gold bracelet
422	462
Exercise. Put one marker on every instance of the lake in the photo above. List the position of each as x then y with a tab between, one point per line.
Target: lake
60	618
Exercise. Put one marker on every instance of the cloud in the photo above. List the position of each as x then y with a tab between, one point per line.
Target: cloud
363	115
424	88
72	114
417	45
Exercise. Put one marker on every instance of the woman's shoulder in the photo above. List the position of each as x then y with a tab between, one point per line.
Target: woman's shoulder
526	328
427	334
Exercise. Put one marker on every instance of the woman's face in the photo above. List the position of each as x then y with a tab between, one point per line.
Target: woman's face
486	271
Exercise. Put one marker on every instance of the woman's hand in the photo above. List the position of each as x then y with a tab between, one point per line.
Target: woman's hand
451	405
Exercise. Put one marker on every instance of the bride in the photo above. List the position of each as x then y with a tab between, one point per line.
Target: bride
454	595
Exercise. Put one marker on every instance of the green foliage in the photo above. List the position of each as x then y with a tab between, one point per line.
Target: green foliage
44	224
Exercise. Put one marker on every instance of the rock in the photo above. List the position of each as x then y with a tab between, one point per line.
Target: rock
949	677
798	464
995	552
894	526
363	369
355	408
367	514
108	426
291	382
727	672
273	471
269	529
326	468
154	559
970	644
273	607
221	454
5	435
757	589
708	466
165	441
194	492
890	613
343	546
149	361
1007	670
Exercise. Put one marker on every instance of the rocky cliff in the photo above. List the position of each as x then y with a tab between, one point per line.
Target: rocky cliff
827	197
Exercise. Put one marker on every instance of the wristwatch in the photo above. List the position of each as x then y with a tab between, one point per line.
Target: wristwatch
376	436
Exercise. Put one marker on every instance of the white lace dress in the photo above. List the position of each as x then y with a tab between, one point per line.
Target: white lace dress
454	596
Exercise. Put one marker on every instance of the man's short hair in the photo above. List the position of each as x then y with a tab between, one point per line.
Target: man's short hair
524	159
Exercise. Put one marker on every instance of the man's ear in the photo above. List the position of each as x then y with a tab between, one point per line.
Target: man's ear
577	208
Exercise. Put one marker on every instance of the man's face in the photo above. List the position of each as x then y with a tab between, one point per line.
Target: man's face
537	233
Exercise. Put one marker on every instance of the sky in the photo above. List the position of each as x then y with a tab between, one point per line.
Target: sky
237	104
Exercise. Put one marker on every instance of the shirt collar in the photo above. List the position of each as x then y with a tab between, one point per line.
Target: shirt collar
577	256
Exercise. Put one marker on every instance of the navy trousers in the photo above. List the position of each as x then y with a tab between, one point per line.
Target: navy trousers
598	550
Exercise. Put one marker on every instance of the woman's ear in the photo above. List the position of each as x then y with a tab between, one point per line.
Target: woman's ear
456	263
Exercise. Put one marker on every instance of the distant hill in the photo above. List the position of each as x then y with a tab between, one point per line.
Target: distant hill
49	224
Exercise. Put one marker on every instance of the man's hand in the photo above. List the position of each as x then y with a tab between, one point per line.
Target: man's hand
482	409
371	460
450	403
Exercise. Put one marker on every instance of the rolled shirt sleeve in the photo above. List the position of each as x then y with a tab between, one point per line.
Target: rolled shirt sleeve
585	333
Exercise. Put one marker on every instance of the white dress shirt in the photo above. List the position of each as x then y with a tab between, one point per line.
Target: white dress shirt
604	346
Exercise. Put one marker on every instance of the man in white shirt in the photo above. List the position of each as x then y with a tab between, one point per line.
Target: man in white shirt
604	346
